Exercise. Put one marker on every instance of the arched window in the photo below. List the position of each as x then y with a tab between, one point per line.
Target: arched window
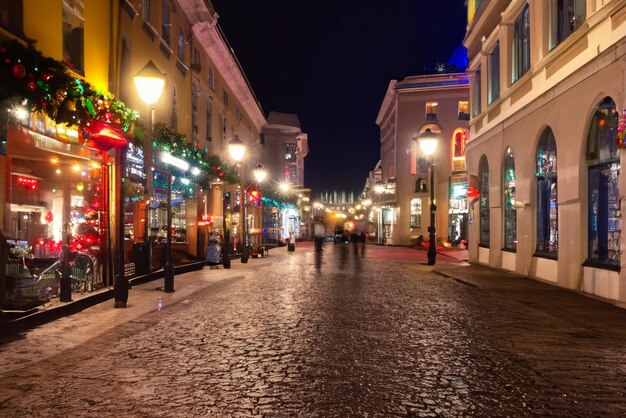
458	150
416	213
604	215
547	206
483	170
508	195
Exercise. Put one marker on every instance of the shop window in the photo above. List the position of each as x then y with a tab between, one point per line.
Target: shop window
508	196
494	73
604	208
521	44
484	201
464	110
431	111
12	15
565	17
476	88
165	22
416	213
73	34
291	158
547	196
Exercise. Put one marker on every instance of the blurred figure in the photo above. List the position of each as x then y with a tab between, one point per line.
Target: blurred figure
319	232
213	252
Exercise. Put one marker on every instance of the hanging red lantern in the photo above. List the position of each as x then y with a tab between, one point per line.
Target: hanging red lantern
49	217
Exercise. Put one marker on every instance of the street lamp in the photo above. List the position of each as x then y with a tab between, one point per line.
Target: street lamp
237	150
149	82
428	143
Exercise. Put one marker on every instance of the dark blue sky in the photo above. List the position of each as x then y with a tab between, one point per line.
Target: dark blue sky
330	62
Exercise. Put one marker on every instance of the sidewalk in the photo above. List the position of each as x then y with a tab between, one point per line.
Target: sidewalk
576	307
143	296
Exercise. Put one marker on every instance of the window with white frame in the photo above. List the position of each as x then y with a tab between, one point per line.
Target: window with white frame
431	110
521	43
494	73
463	110
483	216
476	87
565	17
547	195
508	197
416	213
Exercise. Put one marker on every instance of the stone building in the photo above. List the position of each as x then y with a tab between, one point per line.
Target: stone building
546	139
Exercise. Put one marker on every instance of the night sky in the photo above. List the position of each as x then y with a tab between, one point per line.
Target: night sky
330	62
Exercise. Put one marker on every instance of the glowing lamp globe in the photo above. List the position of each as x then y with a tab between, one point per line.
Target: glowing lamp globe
428	142
150	82
236	148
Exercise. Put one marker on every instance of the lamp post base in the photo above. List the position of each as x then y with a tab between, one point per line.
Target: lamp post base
168	273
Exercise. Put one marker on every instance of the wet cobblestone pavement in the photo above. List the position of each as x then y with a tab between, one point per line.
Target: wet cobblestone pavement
339	334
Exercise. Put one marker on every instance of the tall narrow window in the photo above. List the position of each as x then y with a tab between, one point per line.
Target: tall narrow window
494	73
476	87
209	121
521	44
483	173
508	196
12	15
211	79
603	177
565	17
416	213
463	110
225	99
431	111
146	10
165	22
458	150
547	204
194	112
181	45
73	33
174	114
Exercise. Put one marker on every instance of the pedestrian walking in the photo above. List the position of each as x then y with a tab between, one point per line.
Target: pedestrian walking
291	242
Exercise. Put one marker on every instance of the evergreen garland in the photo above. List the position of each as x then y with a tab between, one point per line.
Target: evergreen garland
210	165
45	85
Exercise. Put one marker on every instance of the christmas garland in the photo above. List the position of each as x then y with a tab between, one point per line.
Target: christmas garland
210	165
44	85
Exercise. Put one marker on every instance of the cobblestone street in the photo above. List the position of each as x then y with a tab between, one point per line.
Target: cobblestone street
336	334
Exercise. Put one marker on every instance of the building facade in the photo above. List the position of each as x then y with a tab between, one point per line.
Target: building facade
400	193
207	100
546	140
283	149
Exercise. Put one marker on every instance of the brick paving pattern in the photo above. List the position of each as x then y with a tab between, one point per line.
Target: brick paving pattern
341	334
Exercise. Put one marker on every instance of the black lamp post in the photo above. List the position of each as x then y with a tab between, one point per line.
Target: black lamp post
428	144
149	82
168	266
237	150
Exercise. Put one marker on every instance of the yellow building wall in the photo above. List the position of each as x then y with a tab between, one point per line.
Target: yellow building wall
43	22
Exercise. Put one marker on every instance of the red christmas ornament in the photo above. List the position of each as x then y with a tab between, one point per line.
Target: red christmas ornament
49	217
18	70
46	76
31	85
